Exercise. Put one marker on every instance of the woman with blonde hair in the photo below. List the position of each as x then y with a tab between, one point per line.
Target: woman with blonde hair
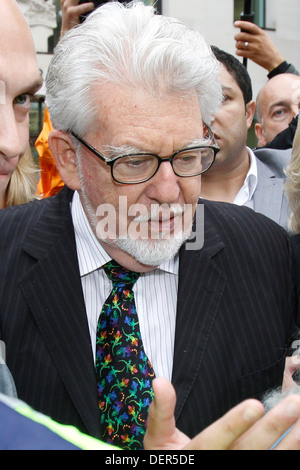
20	182
292	188
292	184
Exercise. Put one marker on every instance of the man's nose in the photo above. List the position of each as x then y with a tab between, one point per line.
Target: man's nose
163	186
11	144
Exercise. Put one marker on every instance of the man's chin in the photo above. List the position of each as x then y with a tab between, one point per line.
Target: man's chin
151	252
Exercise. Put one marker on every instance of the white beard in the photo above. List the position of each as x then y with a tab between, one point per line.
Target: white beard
151	252
158	247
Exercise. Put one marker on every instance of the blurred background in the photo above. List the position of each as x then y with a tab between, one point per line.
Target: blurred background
213	18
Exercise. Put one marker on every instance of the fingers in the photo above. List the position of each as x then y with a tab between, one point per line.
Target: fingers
267	431
250	35
244	427
71	13
161	411
161	428
243	46
244	38
222	434
290	440
251	28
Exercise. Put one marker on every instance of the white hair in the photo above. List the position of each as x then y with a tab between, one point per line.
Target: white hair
292	183
131	46
275	396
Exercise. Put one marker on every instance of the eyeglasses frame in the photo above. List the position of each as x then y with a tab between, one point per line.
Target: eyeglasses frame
111	163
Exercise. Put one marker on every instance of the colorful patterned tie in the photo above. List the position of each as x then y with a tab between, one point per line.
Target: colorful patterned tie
124	373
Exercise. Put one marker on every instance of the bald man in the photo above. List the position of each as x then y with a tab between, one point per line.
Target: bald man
277	104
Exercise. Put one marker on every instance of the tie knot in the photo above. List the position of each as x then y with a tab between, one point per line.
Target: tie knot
120	276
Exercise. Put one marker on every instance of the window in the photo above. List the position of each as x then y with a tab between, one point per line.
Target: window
264	16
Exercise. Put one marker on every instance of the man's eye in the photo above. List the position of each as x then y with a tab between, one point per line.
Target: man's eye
22	100
136	162
278	113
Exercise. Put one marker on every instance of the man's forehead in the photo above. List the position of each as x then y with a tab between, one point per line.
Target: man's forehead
285	98
16	36
139	111
19	71
283	87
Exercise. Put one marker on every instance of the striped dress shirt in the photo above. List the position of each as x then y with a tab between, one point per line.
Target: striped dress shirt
155	294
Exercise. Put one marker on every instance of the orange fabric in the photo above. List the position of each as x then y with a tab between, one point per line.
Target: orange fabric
50	181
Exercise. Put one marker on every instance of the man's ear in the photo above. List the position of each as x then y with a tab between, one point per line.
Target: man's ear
259	131
62	148
250	110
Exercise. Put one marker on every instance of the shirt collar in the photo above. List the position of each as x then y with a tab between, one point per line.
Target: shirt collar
246	192
91	254
251	177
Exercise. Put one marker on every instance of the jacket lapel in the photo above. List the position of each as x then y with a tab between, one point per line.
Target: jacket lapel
201	286
57	305
268	196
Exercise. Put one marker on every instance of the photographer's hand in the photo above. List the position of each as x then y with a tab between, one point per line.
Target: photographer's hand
71	12
260	47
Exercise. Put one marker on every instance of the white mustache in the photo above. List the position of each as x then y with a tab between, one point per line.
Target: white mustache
160	213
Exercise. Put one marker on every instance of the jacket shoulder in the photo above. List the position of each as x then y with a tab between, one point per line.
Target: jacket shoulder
17	221
240	220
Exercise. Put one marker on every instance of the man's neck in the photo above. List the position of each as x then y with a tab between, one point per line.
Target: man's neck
223	184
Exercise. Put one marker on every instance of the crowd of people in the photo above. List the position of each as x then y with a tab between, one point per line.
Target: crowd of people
140	108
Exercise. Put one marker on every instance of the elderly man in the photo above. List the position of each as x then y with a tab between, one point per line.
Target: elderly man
107	285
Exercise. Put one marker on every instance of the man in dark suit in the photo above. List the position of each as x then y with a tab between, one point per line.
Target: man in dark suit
223	311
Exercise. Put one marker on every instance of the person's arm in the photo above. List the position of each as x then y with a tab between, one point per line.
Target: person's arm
284	67
260	49
244	427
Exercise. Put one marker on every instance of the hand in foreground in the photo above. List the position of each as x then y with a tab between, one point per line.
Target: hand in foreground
244	427
260	49
71	12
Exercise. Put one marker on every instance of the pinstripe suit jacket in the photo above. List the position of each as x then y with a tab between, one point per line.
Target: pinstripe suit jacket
235	313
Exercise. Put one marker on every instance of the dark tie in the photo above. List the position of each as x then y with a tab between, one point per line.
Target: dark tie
124	373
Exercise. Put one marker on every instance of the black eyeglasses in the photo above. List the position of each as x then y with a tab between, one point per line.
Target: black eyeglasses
140	167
